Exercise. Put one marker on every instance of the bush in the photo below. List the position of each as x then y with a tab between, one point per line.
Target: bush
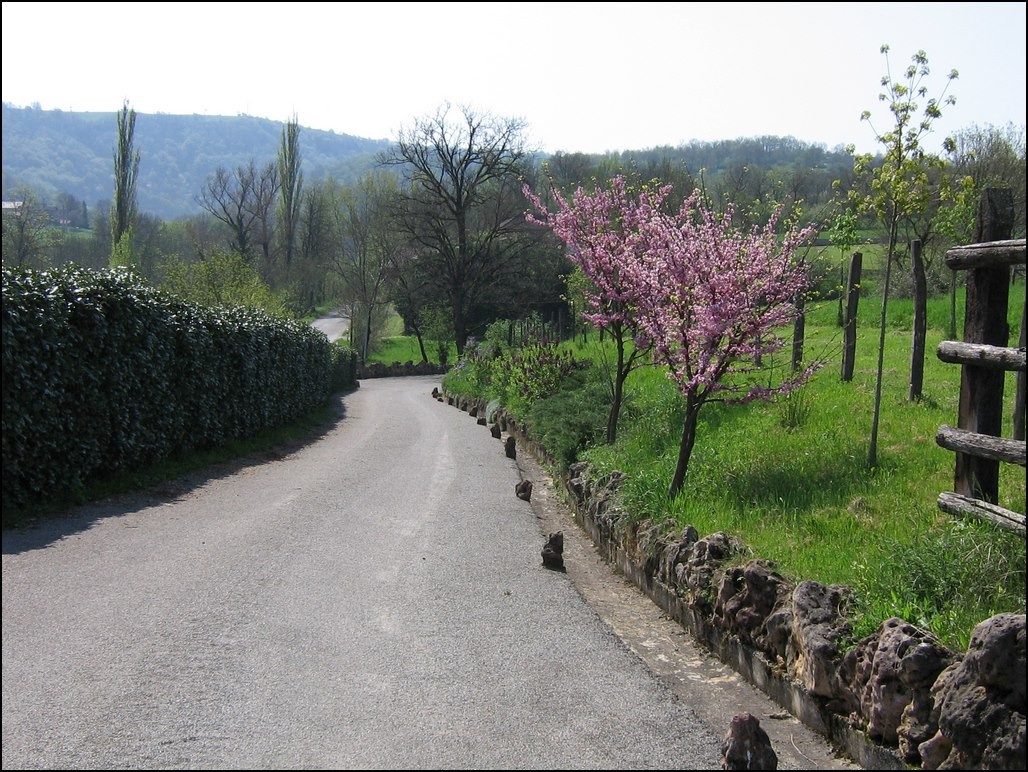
573	419
472	375
104	374
530	373
344	367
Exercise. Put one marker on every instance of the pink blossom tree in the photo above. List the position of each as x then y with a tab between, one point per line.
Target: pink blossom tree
602	231
712	301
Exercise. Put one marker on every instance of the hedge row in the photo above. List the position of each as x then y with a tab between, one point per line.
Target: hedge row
103	373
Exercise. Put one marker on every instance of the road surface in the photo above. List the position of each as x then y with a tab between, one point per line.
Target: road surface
372	598
334	325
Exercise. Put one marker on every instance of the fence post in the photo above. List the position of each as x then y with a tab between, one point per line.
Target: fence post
849	327
920	324
1019	391
985	321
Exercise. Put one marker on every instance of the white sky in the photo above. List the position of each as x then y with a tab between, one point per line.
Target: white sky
587	77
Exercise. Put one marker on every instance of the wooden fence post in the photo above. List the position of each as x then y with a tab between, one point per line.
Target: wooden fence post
920	323
849	327
985	321
1019	391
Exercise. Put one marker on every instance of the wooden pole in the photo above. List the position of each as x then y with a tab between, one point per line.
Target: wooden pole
849	328
985	321
1019	390
920	323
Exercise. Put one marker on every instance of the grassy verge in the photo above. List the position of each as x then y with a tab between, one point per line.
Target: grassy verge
404	348
792	480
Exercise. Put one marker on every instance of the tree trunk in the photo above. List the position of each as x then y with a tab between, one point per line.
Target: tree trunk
840	319
872	452
1019	389
920	323
798	331
692	411
849	329
416	329
985	321
367	334
618	392
460	332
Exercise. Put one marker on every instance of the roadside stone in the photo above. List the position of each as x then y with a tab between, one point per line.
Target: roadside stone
747	597
980	702
888	671
819	623
747	746
553	552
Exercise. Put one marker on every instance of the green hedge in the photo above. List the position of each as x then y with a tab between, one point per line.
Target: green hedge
104	373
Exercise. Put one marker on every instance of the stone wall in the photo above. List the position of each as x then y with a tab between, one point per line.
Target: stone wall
897	698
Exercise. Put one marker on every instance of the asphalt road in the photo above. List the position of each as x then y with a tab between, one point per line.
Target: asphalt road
334	325
373	598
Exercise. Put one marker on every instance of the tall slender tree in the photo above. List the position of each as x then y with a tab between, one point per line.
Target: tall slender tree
290	178
126	170
900	185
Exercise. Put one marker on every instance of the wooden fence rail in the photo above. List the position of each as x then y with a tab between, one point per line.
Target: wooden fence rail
985	359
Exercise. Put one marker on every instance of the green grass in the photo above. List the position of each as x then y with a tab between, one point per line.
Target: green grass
404	348
791	479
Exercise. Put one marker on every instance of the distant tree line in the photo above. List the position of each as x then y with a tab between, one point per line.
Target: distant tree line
435	228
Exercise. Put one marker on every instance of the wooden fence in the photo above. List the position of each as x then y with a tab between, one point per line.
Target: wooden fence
985	359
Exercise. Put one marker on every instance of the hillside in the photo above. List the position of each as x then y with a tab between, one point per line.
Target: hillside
54	152
57	153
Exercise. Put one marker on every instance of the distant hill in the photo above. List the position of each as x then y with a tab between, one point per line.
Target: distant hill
59	153
54	152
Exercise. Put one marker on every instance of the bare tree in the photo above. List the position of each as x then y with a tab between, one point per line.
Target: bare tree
27	230
367	244
244	201
993	157
225	196
262	208
462	206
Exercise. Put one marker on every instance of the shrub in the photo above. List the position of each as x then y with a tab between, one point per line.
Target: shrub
530	373
471	376
573	419
104	374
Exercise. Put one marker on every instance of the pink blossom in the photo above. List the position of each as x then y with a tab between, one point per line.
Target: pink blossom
707	299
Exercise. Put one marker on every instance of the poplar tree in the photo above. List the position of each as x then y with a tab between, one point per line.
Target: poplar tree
291	191
126	170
